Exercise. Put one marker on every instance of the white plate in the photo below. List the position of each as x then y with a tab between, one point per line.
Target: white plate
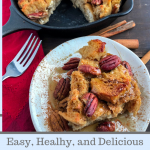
38	96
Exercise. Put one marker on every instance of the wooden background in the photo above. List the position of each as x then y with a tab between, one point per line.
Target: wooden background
140	15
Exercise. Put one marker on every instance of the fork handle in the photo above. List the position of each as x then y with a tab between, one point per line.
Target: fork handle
5	76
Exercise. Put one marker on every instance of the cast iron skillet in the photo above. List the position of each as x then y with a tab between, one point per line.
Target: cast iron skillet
65	21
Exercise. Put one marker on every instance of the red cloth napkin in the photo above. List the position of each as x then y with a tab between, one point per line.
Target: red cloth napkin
16	114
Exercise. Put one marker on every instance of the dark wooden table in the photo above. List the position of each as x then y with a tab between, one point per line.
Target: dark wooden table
140	14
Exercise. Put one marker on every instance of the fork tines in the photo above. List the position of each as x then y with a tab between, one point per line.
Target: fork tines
24	56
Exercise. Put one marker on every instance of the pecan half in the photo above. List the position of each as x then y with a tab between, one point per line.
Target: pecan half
96	2
85	97
65	90
71	64
91	102
102	48
65	123
89	69
106	126
109	62
62	89
58	87
38	15
58	123
127	66
72	70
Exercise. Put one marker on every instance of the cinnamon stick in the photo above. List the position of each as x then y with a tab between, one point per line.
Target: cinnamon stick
120	29
146	57
129	43
109	28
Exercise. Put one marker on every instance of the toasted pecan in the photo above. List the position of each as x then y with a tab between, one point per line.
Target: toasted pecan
109	62
106	126
71	64
62	89
91	103
89	69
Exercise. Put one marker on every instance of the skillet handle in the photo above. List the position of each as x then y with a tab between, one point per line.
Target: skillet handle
16	23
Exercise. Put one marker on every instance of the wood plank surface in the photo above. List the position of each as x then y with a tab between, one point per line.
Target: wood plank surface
140	15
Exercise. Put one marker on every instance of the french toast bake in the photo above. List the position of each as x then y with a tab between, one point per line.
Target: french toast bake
102	86
40	10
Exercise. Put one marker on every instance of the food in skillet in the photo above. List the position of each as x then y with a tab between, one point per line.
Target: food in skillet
97	9
99	86
40	10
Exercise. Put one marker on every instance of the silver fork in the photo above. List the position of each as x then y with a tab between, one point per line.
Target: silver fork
17	67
